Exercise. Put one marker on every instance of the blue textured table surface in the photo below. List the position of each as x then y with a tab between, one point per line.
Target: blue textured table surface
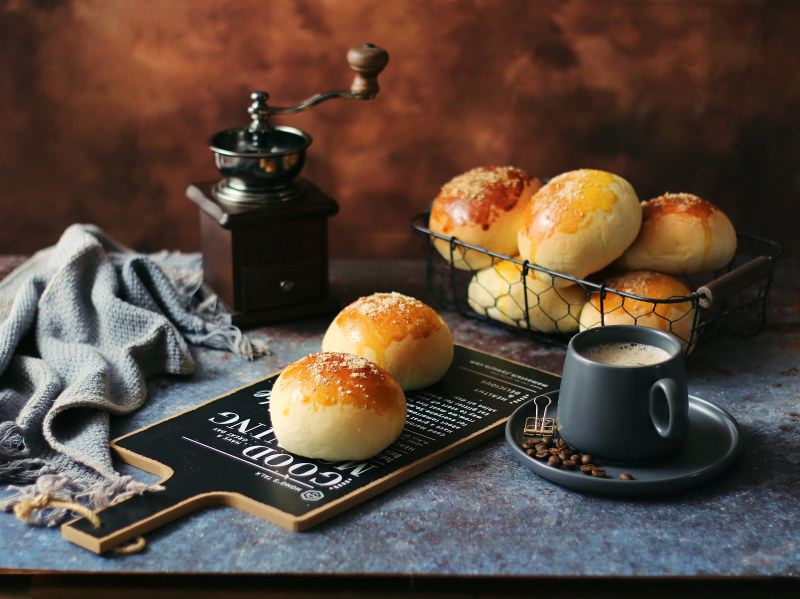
482	513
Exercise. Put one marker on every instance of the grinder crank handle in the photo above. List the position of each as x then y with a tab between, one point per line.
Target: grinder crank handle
367	61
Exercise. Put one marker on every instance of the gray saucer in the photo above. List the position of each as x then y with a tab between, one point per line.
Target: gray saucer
711	446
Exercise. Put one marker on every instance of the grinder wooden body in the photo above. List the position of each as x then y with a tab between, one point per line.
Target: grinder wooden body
267	262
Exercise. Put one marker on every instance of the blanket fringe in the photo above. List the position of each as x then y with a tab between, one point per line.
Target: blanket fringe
63	494
186	273
224	335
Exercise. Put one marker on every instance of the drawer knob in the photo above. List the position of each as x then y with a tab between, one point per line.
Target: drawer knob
286	286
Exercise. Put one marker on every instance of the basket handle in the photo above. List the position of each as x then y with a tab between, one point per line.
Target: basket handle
716	291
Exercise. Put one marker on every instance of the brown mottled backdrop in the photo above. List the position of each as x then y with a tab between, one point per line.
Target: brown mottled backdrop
106	106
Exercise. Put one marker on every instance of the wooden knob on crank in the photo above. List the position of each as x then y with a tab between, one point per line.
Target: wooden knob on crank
367	61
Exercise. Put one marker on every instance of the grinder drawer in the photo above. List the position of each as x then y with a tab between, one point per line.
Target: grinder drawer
276	285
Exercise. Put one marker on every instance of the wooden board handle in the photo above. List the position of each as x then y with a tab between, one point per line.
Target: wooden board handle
131	518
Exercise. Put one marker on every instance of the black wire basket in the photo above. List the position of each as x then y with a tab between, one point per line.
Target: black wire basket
528	299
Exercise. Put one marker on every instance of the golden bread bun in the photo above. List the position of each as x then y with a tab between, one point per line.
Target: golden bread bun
499	293
481	207
579	223
681	233
676	318
399	333
335	406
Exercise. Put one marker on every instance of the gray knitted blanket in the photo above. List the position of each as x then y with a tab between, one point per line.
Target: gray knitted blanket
82	326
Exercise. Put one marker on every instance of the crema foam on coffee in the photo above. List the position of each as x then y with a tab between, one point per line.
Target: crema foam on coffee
625	354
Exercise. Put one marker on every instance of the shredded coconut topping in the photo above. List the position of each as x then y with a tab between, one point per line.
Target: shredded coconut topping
329	379
328	368
476	183
681	202
380	305
393	316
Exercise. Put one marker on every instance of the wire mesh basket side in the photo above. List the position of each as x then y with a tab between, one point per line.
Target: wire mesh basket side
527	299
451	286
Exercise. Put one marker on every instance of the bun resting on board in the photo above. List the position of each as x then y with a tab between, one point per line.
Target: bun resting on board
336	406
399	333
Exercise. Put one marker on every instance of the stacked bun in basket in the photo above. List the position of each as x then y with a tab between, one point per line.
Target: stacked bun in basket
582	225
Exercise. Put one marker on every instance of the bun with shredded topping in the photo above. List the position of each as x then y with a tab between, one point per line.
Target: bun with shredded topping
579	223
481	207
336	406
676	318
399	333
681	233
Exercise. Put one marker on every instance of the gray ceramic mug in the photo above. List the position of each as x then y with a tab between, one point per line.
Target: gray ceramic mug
628	413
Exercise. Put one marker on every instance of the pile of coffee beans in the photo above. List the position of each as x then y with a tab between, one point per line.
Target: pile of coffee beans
558	454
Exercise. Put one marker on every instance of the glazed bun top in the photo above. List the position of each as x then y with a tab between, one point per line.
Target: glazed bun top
482	207
329	379
579	223
398	332
480	196
336	406
681	233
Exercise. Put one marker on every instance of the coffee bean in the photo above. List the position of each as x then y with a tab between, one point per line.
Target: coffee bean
558	454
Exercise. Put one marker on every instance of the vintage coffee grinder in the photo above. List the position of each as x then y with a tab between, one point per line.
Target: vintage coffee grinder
265	229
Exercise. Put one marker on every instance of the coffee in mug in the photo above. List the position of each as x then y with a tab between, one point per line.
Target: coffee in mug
626	354
626	413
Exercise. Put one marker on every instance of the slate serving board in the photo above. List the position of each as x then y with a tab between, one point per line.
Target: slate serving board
223	452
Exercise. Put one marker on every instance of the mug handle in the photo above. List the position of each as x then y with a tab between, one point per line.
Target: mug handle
669	423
